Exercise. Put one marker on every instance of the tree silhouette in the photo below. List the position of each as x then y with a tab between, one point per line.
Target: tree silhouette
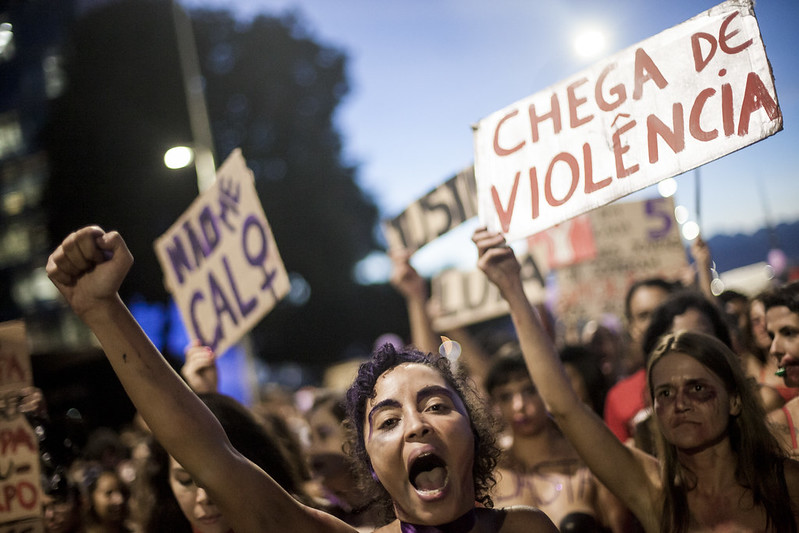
270	91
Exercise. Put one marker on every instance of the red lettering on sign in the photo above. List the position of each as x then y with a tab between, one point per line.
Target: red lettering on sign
24	493
646	70
674	137
575	102
554	114
756	96
11	369
505	214
497	148
11	439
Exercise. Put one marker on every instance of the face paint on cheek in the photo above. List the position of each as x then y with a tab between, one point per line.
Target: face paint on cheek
705	395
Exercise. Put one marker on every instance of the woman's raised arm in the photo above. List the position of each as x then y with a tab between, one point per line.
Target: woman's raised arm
88	268
631	475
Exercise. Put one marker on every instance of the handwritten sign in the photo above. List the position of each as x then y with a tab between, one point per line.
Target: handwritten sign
20	485
468	297
633	240
433	215
682	98
220	259
24	526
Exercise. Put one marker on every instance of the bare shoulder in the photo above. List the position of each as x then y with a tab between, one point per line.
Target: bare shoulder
523	519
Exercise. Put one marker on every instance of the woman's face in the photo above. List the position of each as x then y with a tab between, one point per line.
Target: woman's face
420	442
520	406
692	405
109	499
195	503
327	458
60	515
757	316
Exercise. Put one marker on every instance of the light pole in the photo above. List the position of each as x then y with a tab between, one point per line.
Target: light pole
199	124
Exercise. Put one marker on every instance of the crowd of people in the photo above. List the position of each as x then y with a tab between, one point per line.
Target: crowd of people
689	427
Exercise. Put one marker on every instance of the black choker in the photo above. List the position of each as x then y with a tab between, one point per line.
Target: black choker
462	524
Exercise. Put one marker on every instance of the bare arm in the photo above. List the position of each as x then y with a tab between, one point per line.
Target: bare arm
413	288
631	475
88	268
703	262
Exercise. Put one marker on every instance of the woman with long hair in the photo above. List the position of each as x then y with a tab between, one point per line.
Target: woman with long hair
719	467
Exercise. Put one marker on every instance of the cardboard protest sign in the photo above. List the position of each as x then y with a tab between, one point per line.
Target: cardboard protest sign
633	240
462	298
438	212
220	259
23	526
675	101
20	484
15	364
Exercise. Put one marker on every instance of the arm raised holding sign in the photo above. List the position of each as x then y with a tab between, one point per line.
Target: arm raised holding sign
88	268
705	410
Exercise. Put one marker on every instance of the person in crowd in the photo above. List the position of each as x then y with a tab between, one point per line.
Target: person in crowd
332	467
782	323
541	468
418	429
625	401
608	344
756	359
414	289
179	504
585	372
719	468
107	501
735	308
62	507
685	309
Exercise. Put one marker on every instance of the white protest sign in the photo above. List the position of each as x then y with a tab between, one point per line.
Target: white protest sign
462	298
220	260
20	483
682	98
441	210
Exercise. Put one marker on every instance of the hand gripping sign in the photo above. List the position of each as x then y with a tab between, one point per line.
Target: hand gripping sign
220	260
673	102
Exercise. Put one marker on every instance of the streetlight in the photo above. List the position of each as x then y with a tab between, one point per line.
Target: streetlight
178	157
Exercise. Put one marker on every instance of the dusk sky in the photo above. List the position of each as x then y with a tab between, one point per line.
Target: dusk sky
422	72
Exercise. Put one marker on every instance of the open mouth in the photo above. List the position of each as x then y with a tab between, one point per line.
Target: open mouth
428	473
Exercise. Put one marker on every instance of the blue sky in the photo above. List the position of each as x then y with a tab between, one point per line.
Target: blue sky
422	71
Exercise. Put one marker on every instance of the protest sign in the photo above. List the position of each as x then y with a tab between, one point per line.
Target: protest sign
220	260
20	484
461	298
24	526
438	212
633	240
686	96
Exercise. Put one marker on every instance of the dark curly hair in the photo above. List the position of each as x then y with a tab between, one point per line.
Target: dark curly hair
486	451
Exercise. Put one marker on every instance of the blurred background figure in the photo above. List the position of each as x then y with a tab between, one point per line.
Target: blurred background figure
177	504
107	499
332	468
62	508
